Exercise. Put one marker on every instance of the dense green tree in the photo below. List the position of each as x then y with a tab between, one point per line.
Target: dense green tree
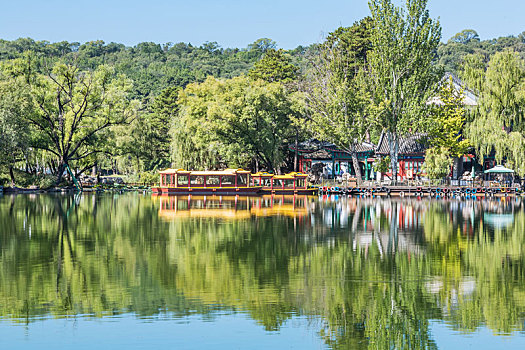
231	123
262	45
336	99
465	37
153	67
498	123
448	117
400	71
144	144
452	54
15	104
275	66
73	108
437	162
351	44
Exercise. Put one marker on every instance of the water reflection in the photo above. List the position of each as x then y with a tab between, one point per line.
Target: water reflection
232	207
375	271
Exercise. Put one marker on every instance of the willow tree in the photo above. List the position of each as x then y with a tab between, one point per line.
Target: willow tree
498	122
14	131
73	109
400	71
335	96
234	122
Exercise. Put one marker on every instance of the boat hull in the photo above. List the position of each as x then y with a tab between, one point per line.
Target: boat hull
301	191
221	191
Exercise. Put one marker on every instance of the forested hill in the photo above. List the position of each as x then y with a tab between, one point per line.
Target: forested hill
153	67
466	42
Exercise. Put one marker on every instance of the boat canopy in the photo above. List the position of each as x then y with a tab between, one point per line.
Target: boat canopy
262	174
292	175
210	172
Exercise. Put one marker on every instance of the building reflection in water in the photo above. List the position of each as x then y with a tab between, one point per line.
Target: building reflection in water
392	224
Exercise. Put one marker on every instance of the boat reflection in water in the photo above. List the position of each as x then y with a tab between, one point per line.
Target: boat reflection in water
232	207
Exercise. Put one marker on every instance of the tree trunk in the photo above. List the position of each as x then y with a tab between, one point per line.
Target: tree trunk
12	176
393	143
60	172
94	170
393	234
357	168
457	168
295	159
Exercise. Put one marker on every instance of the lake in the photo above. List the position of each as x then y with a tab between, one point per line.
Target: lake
133	270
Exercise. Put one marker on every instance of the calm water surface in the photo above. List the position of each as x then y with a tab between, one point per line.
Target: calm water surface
114	270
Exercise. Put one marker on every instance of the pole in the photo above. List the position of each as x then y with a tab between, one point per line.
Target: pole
77	184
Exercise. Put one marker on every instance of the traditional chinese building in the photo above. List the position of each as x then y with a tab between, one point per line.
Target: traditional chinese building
411	155
335	160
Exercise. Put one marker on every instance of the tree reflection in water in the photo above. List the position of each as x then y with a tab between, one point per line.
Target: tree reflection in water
375	271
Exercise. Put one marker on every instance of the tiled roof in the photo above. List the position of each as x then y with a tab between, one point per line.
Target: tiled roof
320	149
469	99
320	154
311	145
410	144
365	147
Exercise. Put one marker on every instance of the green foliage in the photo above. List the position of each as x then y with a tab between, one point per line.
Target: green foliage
275	66
4	179
448	120
14	129
382	165
452	55
498	122
336	99
465	36
437	162
72	109
46	181
145	143
26	180
231	123
158	71
351	44
400	72
145	177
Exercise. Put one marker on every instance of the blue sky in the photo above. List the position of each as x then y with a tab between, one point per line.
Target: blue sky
231	23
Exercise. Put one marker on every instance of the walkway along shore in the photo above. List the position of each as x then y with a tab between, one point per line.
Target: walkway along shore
432	191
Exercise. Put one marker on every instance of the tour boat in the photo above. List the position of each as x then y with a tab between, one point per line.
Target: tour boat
291	183
223	182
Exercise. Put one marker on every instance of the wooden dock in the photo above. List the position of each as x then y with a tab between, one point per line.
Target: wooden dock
421	191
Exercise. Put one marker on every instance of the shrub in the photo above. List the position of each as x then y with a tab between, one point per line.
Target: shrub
149	177
382	165
46	181
437	162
